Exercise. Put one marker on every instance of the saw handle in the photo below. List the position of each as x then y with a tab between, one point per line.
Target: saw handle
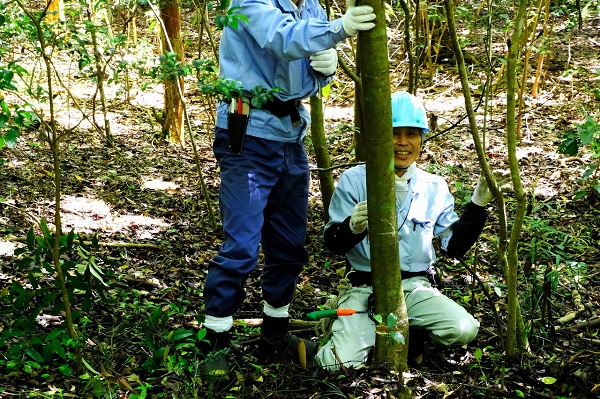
321	314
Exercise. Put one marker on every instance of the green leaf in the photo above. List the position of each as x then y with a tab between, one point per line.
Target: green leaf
5	109
519	393
98	274
478	354
222	21
29	366
46	231
548	380
30	239
89	367
580	194
570	146
326	91
59	349
42	243
391	321
54	334
20	251
588	129
65	370
35	355
11	137
180	334
397	337
498	291
233	22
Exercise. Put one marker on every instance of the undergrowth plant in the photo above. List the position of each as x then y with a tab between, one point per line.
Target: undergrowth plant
552	264
29	305
586	135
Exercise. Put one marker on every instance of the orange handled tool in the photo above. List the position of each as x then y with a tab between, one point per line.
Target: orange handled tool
320	314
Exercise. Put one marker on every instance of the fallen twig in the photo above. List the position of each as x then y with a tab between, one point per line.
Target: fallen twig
144	245
578	304
582	324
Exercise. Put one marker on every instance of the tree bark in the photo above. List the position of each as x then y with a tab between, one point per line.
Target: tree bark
173	112
319	141
513	331
54	11
373	63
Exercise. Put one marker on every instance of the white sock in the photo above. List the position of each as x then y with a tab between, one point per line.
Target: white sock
218	324
276	312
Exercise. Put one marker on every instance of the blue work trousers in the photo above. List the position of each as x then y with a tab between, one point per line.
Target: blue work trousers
263	200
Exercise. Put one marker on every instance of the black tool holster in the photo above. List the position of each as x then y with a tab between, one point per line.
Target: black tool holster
237	123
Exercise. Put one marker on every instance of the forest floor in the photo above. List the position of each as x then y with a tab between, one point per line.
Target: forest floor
144	200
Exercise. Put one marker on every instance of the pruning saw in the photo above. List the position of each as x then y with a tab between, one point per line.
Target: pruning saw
321	314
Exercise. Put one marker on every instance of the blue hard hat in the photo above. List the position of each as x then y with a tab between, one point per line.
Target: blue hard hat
408	111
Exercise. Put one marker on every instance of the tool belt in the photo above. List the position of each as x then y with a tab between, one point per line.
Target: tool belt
283	108
358	278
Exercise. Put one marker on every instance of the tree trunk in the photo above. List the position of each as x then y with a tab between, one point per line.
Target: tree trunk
54	11
507	256
373	63
173	112
319	141
513	330
359	120
408	48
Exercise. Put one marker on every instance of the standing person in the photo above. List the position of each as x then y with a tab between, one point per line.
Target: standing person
425	210
286	45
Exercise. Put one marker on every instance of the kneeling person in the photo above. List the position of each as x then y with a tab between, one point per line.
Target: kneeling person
425	210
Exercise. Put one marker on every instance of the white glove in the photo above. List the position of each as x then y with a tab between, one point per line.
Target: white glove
482	194
324	61
358	220
357	18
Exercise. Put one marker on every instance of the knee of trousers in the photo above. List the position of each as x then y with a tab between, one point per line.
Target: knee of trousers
329	360
464	331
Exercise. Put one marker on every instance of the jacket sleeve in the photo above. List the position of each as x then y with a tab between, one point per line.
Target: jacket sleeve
466	230
339	239
285	37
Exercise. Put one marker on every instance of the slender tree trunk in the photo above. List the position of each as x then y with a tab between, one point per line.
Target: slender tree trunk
54	11
507	255
408	46
513	332
99	75
321	153
359	120
53	139
373	63
173	112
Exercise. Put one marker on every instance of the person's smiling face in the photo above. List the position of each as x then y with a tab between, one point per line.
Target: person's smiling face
407	147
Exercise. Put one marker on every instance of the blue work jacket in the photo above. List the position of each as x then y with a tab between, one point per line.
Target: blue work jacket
271	50
426	212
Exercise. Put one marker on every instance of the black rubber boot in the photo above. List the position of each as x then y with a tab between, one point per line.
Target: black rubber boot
277	344
215	364
416	345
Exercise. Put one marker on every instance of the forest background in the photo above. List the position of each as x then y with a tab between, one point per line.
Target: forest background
89	126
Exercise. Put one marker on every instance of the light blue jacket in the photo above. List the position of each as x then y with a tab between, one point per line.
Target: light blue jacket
272	50
427	212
